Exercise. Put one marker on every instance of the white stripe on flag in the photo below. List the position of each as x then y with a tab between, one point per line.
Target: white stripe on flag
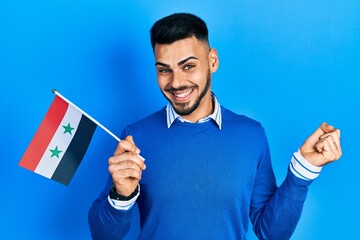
61	140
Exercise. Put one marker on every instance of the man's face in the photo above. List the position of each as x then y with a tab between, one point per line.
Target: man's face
184	71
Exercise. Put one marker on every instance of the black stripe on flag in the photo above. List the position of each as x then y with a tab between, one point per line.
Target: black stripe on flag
75	152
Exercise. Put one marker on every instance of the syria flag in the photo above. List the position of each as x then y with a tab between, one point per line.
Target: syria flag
60	143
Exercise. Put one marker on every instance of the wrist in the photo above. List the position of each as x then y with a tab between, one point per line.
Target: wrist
302	168
312	158
113	194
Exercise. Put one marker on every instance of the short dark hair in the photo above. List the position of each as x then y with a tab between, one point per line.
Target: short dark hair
178	26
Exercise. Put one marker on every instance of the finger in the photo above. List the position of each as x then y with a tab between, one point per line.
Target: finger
329	152
124	165
335	138
335	134
326	127
319	146
328	149
119	176
335	146
338	131
330	145
338	145
127	156
127	145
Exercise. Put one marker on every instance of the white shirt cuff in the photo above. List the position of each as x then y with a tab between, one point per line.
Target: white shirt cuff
124	205
301	168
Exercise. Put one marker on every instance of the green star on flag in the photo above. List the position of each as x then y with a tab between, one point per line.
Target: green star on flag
68	129
55	152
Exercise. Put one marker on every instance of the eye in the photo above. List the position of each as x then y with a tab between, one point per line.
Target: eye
188	67
164	70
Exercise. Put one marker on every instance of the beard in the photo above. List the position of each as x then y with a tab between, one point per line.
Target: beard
184	109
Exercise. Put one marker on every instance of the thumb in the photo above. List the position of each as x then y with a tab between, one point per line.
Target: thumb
326	127
312	140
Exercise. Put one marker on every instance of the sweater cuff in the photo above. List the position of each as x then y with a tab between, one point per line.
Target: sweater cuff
303	169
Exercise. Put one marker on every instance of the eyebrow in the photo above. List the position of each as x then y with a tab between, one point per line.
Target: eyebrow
179	63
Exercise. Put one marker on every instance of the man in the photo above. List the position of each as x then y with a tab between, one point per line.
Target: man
207	169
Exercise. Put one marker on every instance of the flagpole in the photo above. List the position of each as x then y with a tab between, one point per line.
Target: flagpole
88	116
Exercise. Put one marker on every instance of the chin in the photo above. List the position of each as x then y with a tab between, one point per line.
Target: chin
184	109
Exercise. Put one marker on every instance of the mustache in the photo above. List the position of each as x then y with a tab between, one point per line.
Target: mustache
182	88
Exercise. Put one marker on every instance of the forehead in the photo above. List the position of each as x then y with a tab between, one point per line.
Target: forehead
179	50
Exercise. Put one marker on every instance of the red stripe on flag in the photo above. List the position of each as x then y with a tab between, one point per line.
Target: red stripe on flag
44	134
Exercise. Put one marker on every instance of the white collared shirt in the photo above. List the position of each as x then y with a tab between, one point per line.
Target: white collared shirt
171	115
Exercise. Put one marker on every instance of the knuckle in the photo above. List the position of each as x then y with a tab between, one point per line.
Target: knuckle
332	138
117	176
120	174
129	164
119	149
129	172
126	172
111	160
122	144
135	173
111	168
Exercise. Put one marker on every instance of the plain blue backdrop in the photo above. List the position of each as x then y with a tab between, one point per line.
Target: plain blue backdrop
288	64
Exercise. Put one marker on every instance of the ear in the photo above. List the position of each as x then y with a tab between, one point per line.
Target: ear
213	60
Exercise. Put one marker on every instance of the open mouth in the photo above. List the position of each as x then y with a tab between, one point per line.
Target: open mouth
182	96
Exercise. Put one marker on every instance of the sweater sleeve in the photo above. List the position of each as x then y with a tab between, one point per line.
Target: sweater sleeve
275	211
107	222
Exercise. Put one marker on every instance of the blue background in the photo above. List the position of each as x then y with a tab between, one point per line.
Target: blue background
288	64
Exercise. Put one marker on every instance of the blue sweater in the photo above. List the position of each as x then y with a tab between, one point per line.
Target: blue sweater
204	183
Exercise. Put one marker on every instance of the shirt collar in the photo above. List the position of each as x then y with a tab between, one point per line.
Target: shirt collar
171	115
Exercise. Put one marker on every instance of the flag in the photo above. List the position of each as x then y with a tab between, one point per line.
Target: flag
60	143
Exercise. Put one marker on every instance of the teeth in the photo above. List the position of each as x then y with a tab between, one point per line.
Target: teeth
184	94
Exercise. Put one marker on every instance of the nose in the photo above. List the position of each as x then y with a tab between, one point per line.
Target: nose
177	79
